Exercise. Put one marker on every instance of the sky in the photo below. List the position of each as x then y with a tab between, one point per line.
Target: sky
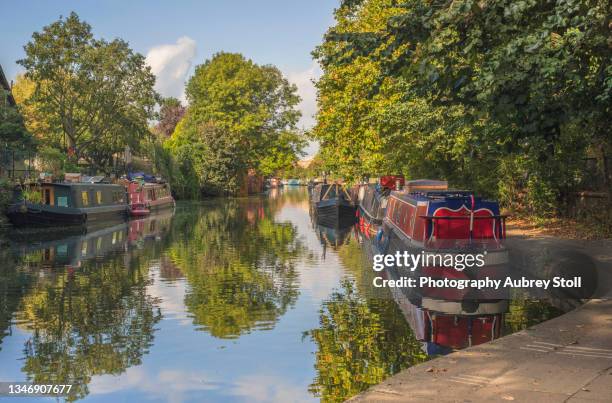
175	36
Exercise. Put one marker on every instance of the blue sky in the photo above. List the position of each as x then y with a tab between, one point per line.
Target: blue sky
177	35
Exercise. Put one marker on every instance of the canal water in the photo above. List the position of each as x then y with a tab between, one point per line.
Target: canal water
220	300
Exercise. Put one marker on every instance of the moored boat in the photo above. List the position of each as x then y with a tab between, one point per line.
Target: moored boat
332	205
70	204
145	198
275	183
436	223
372	198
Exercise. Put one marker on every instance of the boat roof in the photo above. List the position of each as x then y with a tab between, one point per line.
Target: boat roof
431	195
82	184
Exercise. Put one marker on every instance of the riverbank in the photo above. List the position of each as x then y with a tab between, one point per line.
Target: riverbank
568	358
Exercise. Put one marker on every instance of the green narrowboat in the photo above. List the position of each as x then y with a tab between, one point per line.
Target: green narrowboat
71	204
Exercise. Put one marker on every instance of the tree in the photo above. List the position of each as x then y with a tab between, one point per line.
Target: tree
33	117
240	115
13	132
170	114
96	96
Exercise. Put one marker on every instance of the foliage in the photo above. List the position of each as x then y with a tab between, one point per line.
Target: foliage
94	96
32	195
241	116
6	194
51	160
23	90
491	95
13	133
171	112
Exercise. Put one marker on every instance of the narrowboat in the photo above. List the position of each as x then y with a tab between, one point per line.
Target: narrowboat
422	219
332	205
275	183
372	198
147	197
70	204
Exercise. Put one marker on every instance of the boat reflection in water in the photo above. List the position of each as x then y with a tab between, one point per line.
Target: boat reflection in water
332	235
84	309
93	242
445	319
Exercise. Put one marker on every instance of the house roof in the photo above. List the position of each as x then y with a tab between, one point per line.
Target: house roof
5	85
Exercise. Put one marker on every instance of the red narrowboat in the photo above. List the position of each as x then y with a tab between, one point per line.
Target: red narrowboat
422	219
145	198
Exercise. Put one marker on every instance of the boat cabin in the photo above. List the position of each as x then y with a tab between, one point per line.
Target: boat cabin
329	191
81	195
440	217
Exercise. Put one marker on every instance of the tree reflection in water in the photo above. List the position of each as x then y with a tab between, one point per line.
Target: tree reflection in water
360	342
92	316
97	321
14	282
240	266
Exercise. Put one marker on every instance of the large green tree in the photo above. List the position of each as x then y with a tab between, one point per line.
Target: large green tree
240	116
96	96
498	95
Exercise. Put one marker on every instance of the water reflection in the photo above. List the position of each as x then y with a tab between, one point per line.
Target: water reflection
86	310
226	300
239	265
359	343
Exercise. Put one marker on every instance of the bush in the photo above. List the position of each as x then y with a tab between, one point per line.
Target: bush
6	195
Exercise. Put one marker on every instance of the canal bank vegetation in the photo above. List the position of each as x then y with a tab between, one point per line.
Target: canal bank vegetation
509	98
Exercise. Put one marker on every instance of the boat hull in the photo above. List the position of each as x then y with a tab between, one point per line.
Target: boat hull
334	213
392	241
24	215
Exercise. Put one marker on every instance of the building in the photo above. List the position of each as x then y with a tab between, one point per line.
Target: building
4	84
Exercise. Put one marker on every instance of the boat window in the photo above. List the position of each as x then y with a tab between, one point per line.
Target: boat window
62	201
99	197
85	198
151	194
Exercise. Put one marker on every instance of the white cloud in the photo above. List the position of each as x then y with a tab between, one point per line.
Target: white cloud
171	64
307	91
